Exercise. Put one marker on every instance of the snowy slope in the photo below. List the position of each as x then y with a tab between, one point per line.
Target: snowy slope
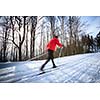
83	68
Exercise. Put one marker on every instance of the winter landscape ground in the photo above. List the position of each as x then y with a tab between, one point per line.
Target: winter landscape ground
82	68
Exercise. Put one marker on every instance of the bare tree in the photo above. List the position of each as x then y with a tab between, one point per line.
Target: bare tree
51	20
27	29
21	37
33	30
75	27
63	20
5	37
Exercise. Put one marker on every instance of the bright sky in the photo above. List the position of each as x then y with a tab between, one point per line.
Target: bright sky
94	22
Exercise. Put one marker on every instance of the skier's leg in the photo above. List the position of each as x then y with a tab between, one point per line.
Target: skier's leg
46	61
44	64
52	58
54	66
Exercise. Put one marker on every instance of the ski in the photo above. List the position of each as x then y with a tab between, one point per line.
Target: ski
49	70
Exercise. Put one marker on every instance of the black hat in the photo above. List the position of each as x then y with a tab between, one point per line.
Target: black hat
56	36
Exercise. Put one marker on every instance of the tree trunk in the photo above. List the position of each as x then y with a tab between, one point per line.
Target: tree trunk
20	53
70	34
33	29
5	46
27	43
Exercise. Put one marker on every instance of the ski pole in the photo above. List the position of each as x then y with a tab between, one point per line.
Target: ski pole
60	52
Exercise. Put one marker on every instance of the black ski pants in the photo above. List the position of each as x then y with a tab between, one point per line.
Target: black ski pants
50	56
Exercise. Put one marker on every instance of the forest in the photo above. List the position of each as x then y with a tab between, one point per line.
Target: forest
25	37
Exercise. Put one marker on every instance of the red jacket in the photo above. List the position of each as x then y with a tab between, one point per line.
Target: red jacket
52	44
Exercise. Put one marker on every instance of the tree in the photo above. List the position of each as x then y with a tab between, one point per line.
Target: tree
5	37
63	20
75	27
27	30
33	22
98	40
21	37
51	20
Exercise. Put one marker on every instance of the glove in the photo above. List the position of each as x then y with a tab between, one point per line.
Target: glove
63	46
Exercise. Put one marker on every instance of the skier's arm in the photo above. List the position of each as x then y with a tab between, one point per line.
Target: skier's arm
58	43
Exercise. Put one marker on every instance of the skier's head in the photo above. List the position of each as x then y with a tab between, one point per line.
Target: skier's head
55	36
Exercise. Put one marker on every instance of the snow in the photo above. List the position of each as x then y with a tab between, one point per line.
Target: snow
82	68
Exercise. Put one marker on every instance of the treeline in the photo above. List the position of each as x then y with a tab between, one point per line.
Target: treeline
24	37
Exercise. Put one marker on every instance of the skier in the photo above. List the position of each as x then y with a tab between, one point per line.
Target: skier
51	48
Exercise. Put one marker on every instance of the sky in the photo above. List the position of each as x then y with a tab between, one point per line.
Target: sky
94	24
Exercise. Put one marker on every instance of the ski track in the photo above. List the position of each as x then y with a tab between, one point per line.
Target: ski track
83	68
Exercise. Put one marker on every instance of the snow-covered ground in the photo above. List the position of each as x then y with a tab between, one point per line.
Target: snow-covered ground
82	68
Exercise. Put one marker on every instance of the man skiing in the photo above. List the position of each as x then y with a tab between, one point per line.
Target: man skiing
51	48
